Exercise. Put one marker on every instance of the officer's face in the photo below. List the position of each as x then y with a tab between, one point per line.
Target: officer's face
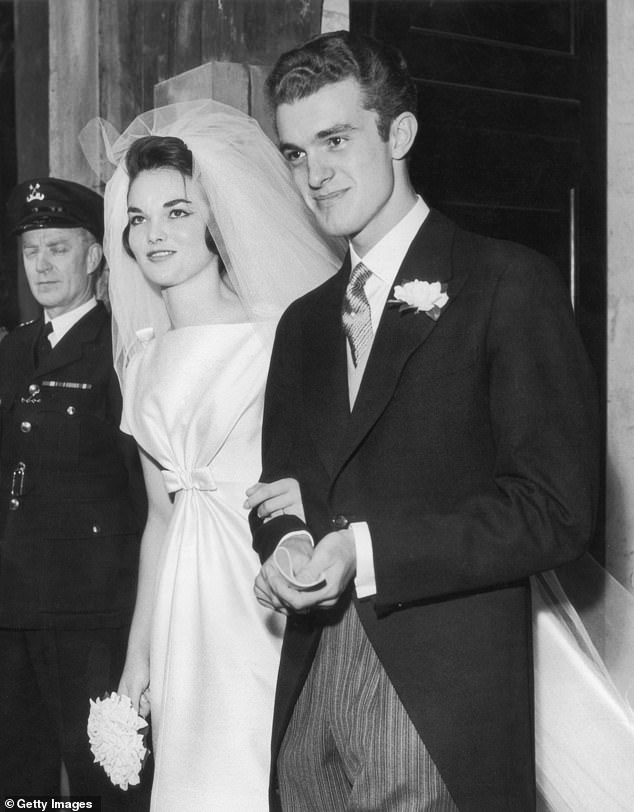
58	264
168	215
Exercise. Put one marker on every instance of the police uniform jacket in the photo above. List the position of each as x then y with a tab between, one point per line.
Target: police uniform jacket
69	525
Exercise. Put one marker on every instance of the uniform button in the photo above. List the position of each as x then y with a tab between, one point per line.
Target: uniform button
70	411
96	529
25	427
14	504
34	389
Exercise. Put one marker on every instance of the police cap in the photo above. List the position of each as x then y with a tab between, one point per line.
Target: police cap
54	203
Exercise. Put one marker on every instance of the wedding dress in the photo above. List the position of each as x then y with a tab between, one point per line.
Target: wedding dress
193	401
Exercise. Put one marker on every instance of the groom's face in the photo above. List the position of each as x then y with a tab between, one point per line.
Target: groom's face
342	167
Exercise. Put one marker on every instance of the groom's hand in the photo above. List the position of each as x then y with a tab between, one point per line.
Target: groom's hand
333	559
270	585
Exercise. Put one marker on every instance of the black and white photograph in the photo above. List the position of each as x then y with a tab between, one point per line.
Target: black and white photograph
317	405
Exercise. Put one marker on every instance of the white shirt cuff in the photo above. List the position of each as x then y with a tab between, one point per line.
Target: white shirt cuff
365	579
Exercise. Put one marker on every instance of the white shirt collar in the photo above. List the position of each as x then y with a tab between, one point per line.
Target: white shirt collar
62	324
387	255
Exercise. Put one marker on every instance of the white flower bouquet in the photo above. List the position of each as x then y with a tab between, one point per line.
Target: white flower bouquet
117	738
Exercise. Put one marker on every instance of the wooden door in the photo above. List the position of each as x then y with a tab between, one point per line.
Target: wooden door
146	43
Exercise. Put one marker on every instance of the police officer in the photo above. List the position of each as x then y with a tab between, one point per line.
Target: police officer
71	503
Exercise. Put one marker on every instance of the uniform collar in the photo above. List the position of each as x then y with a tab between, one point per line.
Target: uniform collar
62	324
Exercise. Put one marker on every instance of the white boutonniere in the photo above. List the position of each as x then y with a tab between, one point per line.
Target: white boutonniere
422	297
117	738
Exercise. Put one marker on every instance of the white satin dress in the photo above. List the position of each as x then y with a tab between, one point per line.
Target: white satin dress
193	401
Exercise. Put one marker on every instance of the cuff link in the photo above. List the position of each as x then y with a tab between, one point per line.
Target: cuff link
340	522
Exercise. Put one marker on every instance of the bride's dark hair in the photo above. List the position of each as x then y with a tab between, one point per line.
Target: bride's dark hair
160	152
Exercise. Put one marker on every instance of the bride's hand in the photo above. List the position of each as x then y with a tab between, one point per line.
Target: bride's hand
275	498
135	683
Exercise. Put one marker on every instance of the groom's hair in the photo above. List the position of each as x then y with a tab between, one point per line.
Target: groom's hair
381	71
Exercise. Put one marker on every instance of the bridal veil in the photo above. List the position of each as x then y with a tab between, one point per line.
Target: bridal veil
265	234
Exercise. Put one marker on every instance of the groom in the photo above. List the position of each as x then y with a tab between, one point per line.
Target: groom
436	405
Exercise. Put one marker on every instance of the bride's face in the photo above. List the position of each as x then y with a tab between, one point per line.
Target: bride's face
168	215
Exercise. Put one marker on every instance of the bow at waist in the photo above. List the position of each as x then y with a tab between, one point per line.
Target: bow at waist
199	479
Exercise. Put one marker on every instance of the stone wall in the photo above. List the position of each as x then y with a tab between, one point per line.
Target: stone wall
620	406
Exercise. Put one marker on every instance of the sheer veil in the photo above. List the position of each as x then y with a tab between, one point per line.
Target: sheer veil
267	237
584	690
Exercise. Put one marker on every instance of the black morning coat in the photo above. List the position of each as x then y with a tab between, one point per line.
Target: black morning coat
471	452
71	493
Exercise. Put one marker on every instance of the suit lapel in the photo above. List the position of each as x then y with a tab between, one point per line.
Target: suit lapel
325	373
399	334
71	347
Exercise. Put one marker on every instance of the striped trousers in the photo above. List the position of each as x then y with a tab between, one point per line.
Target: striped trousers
350	744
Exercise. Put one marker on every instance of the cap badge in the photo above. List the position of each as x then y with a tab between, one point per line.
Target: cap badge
33	193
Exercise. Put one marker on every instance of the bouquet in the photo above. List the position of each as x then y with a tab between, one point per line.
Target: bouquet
117	738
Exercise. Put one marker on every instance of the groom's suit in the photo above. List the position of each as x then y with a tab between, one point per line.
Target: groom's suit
471	453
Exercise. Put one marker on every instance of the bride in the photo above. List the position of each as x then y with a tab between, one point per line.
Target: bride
207	242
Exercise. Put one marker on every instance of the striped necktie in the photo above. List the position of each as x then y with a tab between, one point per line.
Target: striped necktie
357	324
